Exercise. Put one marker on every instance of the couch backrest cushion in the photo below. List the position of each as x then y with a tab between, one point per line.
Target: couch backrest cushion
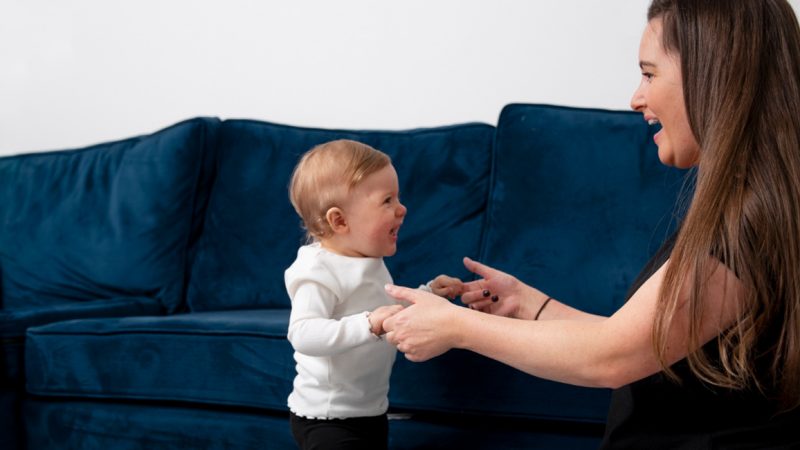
579	201
110	220
251	232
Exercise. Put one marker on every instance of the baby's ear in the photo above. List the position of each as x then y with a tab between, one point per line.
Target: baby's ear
336	220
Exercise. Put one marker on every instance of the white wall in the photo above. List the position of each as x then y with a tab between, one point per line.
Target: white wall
77	72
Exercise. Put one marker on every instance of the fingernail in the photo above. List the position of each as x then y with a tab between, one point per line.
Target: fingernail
388	287
486	292
495	298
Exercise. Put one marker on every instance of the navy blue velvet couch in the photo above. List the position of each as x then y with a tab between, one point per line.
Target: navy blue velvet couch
142	302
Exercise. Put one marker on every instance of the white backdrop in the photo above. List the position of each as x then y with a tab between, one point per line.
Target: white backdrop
77	72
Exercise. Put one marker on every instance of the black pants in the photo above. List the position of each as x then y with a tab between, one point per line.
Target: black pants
359	433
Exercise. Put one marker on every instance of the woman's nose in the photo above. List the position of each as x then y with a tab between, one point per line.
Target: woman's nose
637	101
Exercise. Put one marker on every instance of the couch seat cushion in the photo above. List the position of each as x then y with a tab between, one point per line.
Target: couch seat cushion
251	232
242	358
13	324
230	358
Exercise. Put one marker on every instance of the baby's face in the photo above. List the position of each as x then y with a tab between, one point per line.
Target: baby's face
374	215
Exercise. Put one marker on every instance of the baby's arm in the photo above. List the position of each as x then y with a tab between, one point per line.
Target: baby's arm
313	331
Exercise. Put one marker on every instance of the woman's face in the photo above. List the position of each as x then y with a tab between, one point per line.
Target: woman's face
659	98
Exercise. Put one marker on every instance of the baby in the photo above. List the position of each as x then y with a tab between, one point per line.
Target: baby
347	196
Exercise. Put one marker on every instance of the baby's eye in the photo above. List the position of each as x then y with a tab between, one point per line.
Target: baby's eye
387	200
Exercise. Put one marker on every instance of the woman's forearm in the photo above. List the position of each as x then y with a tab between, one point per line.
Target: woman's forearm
537	304
585	350
579	352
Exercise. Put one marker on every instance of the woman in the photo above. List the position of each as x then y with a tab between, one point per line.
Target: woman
706	351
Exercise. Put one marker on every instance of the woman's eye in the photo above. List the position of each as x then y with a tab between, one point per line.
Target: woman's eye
647	75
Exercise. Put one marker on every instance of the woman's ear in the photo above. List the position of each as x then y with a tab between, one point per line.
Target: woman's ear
336	220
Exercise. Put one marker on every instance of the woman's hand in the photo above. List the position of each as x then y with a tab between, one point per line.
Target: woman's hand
496	292
423	330
377	317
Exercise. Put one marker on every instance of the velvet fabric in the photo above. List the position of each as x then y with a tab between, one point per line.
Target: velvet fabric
426	432
578	203
252	233
253	367
239	358
107	221
461	382
11	424
59	425
101	231
13	324
86	425
12	362
147	358
11	392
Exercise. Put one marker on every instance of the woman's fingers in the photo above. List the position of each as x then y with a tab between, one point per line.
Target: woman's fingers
480	305
415	331
478	290
404	293
413	358
478	268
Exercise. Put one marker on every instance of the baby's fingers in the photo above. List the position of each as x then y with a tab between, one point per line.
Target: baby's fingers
394	309
387	310
446	286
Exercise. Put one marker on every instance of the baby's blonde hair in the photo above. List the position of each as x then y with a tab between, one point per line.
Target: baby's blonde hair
325	176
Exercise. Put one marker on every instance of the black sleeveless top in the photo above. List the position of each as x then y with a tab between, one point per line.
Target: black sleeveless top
657	413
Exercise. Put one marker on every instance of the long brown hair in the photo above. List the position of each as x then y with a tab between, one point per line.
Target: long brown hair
740	64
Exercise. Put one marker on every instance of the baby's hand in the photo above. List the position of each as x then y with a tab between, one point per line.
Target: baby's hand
445	286
380	314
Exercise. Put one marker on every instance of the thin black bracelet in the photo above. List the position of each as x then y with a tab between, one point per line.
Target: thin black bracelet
541	308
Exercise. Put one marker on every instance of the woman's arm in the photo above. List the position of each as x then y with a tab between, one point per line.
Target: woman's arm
499	293
608	352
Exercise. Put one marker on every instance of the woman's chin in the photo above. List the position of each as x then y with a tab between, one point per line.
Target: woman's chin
666	156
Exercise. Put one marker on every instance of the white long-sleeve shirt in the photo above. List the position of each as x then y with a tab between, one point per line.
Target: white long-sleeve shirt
342	368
